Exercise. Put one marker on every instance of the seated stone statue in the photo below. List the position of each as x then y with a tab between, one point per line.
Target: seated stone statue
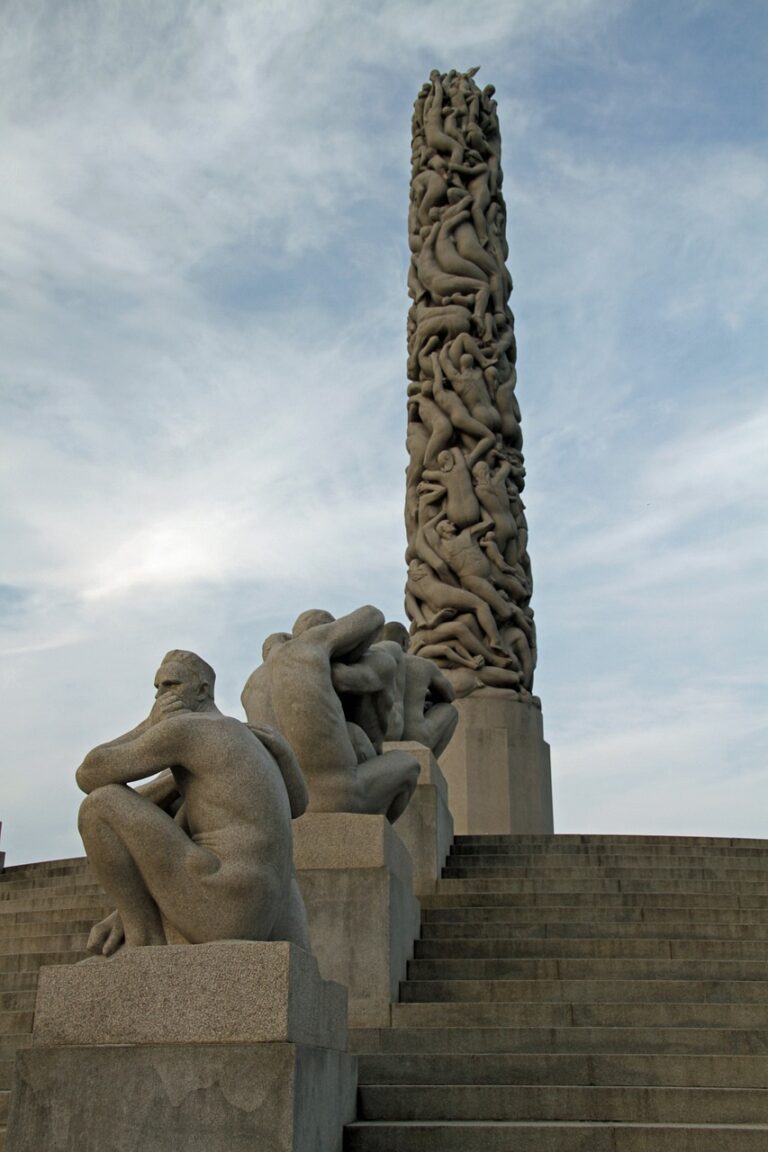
301	689
204	852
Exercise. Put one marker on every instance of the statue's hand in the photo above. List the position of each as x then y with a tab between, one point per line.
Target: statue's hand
165	706
106	936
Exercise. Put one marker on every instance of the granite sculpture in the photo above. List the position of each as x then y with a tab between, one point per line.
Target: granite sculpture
331	690
424	712
203	852
469	582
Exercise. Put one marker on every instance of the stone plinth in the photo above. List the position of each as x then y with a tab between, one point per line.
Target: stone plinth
426	826
497	767
356	878
231	1047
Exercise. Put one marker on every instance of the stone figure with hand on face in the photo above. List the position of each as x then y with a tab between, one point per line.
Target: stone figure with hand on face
203	852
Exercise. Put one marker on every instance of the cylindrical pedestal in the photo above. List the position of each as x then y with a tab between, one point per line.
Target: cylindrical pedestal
497	767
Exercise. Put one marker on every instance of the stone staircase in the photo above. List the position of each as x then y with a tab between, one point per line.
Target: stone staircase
46	913
590	993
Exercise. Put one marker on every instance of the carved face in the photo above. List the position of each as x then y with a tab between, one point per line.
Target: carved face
181	681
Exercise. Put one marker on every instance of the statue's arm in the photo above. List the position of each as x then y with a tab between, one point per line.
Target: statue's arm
155	749
350	632
440	686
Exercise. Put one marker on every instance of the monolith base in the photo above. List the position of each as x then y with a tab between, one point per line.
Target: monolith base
232	1047
356	878
497	767
426	826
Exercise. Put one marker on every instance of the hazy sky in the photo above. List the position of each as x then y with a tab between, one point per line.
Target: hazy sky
202	263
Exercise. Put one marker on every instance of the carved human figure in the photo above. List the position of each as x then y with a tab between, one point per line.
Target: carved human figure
476	431
490	490
471	565
204	852
442	600
295	689
468	382
428	714
448	287
461	504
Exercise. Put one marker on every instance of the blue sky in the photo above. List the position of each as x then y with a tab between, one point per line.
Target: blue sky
202	229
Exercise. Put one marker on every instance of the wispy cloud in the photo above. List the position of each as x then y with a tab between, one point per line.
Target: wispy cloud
203	322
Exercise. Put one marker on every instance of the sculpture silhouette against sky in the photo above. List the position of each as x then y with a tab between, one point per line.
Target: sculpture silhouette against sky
469	575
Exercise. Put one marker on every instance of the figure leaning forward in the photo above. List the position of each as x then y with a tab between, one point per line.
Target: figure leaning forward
205	851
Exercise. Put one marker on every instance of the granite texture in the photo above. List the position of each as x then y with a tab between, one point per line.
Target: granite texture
426	827
357	881
232	991
497	767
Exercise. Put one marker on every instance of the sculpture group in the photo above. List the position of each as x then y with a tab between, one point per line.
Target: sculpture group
469	576
203	852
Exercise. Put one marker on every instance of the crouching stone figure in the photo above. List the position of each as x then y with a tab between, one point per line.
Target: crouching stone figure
204	852
330	691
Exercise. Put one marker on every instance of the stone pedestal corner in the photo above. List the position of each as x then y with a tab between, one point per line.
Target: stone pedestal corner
497	767
231	1047
426	826
356	878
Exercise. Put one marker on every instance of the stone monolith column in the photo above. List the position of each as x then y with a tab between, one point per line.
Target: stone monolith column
469	583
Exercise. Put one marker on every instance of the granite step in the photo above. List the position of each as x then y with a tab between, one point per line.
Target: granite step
586	990
10	1043
73	941
23	980
596	1069
595	839
39	885
17	1001
550	1013
521	968
567	1038
624	1103
63	867
598	872
24	963
551	1136
41	920
597	947
514	928
599	886
12	1023
483	896
666	849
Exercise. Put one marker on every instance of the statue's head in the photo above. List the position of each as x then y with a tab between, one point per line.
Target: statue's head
481	471
274	640
446	529
310	619
397	632
188	676
445	460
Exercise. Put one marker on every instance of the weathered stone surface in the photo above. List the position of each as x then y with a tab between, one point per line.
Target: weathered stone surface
357	881
203	852
229	1046
469	575
426	827
497	767
277	1097
330	692
233	991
